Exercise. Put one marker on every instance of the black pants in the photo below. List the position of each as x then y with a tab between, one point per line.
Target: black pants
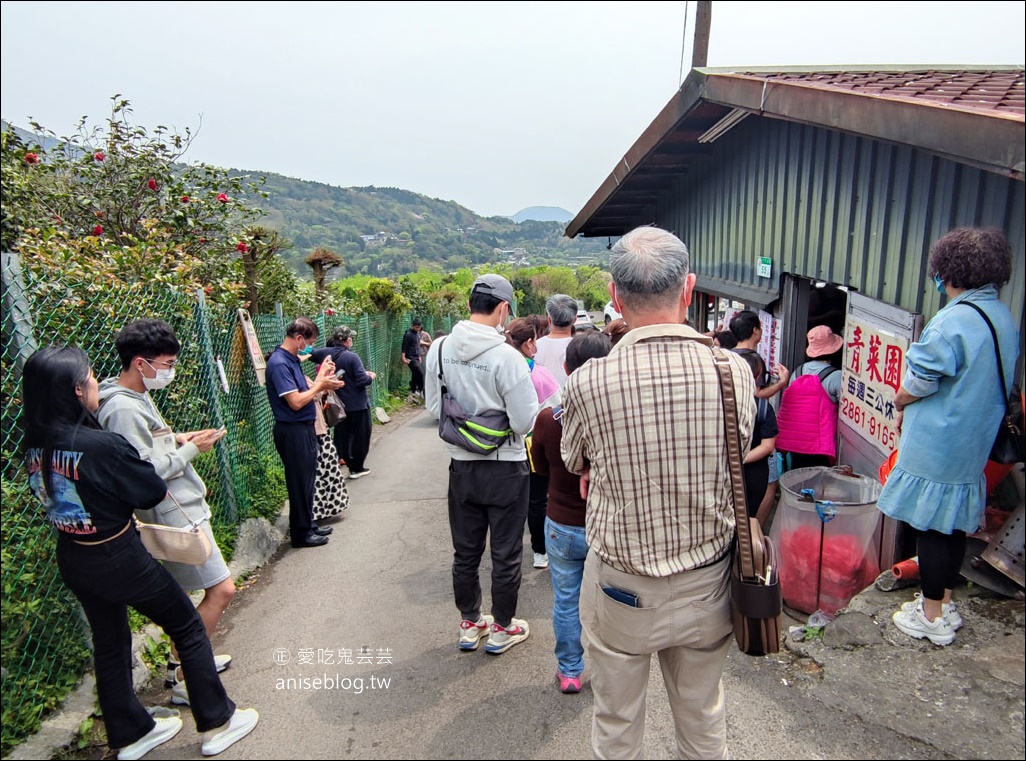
297	446
416	377
536	504
108	577
940	561
352	438
487	496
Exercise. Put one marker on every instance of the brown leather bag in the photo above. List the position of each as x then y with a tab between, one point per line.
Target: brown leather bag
756	601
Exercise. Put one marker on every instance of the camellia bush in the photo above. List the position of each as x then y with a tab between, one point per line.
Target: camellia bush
117	202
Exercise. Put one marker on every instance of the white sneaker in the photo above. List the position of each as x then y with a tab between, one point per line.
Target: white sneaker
179	695
541	560
914	624
948	609
163	730
221	662
471	632
500	640
243	721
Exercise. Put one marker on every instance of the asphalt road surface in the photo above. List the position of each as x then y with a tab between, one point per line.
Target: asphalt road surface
371	616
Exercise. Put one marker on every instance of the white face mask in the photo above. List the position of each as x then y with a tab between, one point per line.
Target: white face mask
162	380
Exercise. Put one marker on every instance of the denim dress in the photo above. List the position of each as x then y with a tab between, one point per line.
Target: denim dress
937	483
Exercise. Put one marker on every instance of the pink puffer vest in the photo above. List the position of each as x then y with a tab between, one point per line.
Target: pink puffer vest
808	418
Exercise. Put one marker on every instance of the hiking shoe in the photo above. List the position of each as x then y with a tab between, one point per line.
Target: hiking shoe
472	633
163	730
221	662
541	560
949	609
243	721
354	474
502	639
914	624
568	685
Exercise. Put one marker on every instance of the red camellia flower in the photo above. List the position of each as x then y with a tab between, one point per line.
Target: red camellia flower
222	197
152	183
97	231
99	156
185	199
242	247
31	158
329	312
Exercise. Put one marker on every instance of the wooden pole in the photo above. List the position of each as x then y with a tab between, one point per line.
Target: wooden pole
703	22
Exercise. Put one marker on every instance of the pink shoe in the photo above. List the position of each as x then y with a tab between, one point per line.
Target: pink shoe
568	685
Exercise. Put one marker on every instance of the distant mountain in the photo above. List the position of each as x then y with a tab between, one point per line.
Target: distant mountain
391	231
543	214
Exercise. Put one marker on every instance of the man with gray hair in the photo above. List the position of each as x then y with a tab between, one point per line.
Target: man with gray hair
645	429
562	312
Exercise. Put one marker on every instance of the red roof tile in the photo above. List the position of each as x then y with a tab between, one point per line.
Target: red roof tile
1000	91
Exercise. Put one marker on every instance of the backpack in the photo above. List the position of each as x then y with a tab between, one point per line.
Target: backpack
482	433
807	418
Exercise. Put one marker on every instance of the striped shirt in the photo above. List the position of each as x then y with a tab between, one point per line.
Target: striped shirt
648	422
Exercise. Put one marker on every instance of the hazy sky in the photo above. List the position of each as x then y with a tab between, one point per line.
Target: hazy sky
495	105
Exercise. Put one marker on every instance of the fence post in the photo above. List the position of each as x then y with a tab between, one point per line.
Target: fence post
210	386
16	304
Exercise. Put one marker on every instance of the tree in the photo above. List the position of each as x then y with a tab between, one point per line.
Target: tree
320	261
258	250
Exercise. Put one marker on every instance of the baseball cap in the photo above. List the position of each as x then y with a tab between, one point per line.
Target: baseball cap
343	333
497	286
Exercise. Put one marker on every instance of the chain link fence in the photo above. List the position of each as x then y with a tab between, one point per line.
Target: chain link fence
44	638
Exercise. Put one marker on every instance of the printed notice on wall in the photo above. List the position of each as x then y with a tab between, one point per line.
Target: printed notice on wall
873	363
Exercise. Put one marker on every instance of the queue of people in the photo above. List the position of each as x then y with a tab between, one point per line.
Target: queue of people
630	537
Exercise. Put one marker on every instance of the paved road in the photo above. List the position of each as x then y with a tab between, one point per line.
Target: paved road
383	583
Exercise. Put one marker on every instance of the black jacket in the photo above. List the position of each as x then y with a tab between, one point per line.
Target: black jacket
411	344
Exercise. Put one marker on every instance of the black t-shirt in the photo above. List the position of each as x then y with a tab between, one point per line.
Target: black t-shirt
757	473
98	481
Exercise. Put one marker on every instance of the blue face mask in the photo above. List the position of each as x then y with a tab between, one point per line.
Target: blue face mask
305	351
940	285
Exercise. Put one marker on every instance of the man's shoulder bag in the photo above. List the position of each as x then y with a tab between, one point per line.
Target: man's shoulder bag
756	601
482	433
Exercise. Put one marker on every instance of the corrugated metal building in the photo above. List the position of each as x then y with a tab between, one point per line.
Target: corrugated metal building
815	194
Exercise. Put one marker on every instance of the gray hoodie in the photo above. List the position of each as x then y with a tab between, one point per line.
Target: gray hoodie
135	417
483	372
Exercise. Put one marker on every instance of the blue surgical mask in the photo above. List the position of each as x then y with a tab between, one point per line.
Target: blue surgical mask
940	285
306	351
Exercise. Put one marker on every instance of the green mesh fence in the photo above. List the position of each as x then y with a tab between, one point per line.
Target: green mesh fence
45	644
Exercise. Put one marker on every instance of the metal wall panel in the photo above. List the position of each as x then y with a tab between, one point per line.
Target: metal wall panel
837	207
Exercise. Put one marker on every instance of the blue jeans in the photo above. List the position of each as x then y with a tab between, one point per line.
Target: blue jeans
567	550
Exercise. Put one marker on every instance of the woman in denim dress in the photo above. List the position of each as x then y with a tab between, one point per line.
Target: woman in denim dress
951	402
